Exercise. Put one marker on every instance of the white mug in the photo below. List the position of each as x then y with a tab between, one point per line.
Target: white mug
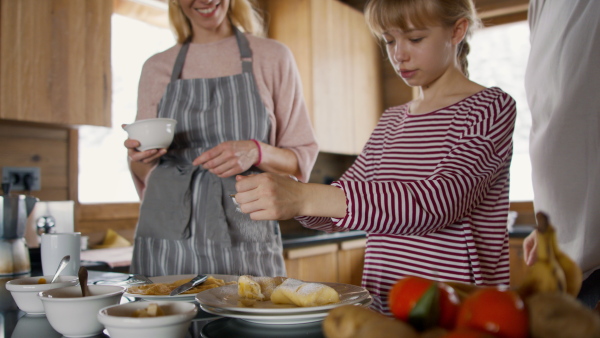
55	246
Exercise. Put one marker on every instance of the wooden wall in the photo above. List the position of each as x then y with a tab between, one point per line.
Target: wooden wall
47	147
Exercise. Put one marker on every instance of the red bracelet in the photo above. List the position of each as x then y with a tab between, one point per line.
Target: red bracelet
259	153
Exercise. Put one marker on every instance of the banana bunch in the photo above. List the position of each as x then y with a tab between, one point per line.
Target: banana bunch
553	271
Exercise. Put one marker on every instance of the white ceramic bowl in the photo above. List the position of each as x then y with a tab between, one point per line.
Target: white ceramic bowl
76	316
25	291
120	323
152	133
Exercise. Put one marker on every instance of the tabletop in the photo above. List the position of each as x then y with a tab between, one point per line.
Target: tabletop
17	324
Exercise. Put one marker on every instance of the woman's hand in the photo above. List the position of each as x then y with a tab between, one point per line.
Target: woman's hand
150	156
269	196
229	158
530	248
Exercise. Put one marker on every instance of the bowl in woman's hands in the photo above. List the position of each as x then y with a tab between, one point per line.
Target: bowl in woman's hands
154	133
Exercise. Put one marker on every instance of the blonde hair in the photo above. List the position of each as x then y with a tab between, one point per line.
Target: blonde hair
242	13
381	15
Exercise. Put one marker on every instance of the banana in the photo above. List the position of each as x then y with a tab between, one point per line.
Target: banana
573	274
546	274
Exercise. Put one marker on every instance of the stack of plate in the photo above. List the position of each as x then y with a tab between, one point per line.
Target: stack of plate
224	301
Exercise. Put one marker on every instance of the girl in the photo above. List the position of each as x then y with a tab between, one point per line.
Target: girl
430	187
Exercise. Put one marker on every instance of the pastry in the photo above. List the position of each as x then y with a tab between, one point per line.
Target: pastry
299	293
257	288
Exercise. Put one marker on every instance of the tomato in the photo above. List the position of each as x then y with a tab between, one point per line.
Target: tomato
423	303
499	312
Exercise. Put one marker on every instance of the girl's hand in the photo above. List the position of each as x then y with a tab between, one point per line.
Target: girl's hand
229	158
269	196
147	157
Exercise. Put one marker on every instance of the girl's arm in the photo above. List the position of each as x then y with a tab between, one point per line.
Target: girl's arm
460	182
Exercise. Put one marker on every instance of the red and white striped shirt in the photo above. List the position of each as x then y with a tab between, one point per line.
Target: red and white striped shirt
431	191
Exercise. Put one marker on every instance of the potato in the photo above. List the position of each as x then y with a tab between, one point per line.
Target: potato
351	321
560	315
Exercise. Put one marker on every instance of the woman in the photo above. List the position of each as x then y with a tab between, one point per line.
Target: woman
239	106
430	187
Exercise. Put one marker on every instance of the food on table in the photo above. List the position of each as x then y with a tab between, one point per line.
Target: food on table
498	312
424	303
282	290
258	288
296	292
553	269
42	280
164	289
152	310
352	321
558	314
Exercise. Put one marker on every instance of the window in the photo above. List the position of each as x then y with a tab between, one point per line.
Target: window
498	57
103	172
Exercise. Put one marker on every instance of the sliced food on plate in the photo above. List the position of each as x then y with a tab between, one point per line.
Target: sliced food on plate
164	289
282	290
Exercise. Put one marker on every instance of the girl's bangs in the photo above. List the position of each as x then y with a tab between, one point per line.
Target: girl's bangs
382	15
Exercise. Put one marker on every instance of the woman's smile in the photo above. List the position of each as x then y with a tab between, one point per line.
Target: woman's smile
209	11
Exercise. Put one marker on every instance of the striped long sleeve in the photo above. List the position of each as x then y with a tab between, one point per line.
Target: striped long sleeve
431	191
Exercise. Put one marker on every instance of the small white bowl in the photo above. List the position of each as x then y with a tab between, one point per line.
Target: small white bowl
25	291
154	133
76	316
120	323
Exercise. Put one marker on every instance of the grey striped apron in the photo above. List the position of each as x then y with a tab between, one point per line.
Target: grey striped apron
188	223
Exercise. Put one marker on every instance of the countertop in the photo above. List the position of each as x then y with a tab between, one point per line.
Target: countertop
17	324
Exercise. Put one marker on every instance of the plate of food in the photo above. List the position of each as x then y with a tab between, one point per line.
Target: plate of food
162	286
279	295
277	318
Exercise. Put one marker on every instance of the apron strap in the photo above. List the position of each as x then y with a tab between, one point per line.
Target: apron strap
245	51
178	67
243	45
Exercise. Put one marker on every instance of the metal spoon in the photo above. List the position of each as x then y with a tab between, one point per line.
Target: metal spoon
61	266
83	278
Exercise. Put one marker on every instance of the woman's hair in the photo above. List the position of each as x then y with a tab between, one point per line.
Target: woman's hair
242	13
381	15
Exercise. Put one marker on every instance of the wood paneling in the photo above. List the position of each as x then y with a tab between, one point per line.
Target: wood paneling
351	259
94	220
517	263
55	61
29	145
315	263
339	64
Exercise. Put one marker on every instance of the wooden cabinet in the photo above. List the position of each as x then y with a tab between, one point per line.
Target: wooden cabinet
517	263
339	63
334	262
55	61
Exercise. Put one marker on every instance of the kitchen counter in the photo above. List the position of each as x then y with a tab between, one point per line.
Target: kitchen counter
16	324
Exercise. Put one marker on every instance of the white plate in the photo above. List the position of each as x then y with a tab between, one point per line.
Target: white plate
226	297
277	318
189	297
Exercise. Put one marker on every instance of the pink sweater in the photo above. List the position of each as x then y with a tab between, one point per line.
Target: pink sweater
276	76
431	191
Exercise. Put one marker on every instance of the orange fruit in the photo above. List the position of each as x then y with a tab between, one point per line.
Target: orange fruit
499	312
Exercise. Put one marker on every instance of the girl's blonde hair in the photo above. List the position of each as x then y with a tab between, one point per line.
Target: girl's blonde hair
381	15
242	13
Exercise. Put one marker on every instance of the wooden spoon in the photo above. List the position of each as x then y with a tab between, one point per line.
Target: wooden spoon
83	278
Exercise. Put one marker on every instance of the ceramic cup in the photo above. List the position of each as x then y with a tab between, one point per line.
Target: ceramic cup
55	246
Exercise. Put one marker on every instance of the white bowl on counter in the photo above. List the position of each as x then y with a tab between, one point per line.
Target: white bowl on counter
174	323
156	133
76	316
25	291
